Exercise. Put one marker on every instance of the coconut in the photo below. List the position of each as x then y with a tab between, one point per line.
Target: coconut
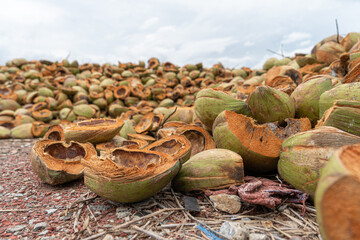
57	162
210	169
304	155
130	175
338	195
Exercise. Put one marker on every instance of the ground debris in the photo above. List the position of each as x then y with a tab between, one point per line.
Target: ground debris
81	214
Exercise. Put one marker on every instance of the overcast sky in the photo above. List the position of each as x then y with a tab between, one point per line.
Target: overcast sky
236	33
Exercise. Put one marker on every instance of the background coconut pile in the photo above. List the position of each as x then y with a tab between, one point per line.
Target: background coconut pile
132	129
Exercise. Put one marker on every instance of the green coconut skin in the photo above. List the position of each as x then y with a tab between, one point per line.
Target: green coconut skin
8	104
304	155
346	91
209	103
49	176
307	95
333	173
22	131
210	169
345	115
270	105
84	110
253	162
4	132
129	192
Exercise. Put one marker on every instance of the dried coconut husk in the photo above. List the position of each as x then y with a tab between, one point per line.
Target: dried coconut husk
304	155
169	128
145	123
283	83
177	146
200	139
122	92
130	175
338	195
259	145
344	115
134	144
56	133
57	162
8	124
158	119
289	71
39	128
93	130
353	75
144	137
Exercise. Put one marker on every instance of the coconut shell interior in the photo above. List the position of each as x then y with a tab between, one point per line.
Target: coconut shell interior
175	146
128	165
55	133
341	202
61	156
257	138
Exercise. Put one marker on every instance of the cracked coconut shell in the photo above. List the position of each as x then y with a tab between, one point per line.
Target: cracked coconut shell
209	103
210	169
270	105
338	195
258	145
57	162
130	175
93	130
304	155
177	146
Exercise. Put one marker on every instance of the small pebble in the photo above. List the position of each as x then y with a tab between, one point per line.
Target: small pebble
258	236
40	226
51	211
226	203
17	228
108	237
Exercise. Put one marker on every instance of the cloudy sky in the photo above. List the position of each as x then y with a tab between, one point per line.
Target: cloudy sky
234	32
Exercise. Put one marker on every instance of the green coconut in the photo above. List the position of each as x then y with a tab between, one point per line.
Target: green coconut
346	91
130	175
210	169
304	155
84	110
209	103
8	104
22	131
4	132
306	96
57	162
269	105
344	115
338	195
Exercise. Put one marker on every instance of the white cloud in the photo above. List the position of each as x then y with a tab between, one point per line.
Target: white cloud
249	44
295	37
149	23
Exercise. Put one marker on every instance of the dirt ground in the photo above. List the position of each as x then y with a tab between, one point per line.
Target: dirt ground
30	209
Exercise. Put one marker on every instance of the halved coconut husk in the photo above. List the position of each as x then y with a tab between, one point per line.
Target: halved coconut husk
122	92
304	155
177	146
44	115
144	137
39	128
158	119
56	133
200	138
145	123
169	128
211	169
259	145
338	195
57	162
130	175
93	130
